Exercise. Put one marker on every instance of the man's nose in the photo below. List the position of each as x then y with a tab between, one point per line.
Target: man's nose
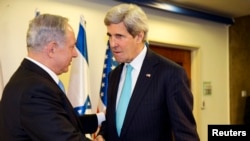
112	42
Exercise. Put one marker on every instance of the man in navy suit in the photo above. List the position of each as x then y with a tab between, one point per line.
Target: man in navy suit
161	103
33	107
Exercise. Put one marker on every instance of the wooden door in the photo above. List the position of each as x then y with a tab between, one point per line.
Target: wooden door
180	56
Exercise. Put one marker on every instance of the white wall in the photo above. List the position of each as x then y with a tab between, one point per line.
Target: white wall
1	80
208	39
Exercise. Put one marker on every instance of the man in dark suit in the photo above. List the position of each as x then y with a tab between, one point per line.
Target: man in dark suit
33	107
161	103
246	118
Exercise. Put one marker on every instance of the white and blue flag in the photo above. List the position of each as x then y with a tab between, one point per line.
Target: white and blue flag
79	82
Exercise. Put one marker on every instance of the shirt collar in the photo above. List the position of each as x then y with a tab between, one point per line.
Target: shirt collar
137	62
50	72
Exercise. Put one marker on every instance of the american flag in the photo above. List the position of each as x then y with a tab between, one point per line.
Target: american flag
109	64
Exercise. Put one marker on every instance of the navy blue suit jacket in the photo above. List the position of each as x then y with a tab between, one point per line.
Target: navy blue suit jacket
160	108
33	107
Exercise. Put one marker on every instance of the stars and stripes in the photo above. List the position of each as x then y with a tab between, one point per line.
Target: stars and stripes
109	64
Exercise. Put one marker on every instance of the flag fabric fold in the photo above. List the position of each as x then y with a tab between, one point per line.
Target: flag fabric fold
79	82
109	64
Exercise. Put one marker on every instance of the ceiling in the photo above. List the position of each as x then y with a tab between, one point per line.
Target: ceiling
222	11
229	8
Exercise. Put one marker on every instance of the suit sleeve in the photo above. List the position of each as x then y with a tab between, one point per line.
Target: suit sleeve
180	106
47	115
89	122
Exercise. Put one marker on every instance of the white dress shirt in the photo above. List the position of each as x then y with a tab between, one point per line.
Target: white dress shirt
136	64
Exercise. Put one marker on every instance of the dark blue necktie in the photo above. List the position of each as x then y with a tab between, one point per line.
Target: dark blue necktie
124	99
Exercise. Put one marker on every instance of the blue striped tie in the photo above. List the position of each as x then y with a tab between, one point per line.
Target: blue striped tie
124	99
60	84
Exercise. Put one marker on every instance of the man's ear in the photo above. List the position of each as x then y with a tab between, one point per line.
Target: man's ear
50	48
140	37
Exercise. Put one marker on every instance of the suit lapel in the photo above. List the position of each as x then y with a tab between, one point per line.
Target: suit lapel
143	81
112	94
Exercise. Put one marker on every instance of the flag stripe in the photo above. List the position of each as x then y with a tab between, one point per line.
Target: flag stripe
109	64
79	83
81	43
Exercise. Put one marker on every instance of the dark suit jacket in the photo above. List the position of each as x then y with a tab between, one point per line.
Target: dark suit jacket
160	107
247	111
33	107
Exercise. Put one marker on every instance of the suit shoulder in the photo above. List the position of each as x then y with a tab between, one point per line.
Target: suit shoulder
164	61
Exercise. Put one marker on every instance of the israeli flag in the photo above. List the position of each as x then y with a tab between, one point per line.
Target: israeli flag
79	82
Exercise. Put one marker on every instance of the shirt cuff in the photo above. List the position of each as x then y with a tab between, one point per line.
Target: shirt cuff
100	117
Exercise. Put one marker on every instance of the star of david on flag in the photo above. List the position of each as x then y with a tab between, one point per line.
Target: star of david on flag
79	82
